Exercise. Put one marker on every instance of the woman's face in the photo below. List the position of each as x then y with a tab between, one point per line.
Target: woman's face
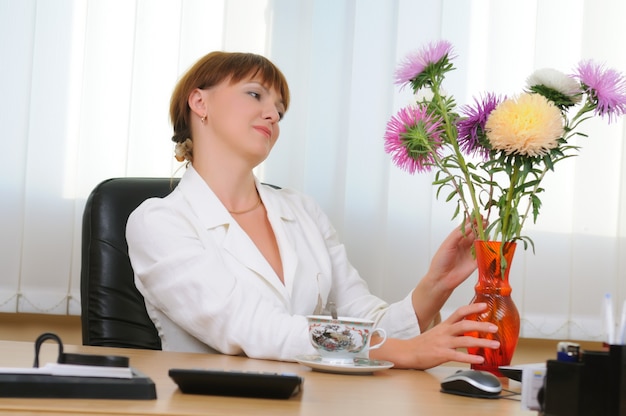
244	116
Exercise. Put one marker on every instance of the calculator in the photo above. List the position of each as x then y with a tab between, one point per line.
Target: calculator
237	383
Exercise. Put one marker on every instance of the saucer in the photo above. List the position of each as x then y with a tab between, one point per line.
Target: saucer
356	366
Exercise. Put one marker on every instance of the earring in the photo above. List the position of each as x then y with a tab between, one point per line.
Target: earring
203	119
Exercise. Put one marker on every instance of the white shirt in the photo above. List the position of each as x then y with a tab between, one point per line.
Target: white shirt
208	288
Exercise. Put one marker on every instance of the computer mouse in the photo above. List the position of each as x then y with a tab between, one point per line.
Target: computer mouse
472	383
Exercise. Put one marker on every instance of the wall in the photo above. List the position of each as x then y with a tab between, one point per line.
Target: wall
27	327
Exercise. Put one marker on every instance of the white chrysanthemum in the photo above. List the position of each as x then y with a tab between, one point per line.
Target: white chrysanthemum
423	94
426	94
556	80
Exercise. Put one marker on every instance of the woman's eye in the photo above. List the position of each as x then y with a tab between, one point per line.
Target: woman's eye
255	95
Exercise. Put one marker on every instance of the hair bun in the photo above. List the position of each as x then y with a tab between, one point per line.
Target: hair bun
183	150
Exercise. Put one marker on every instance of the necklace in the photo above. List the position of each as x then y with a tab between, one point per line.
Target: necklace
245	211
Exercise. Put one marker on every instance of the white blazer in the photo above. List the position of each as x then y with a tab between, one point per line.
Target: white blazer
208	288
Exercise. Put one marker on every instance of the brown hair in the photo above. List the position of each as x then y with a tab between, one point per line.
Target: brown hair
211	70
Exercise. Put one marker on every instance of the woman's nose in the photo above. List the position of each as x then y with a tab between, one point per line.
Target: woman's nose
272	114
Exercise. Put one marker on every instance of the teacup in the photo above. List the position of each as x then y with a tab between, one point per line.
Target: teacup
343	339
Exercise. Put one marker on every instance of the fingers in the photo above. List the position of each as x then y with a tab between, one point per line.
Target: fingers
456	350
448	341
463	357
458	346
470	227
458	234
473	342
466	310
460	238
459	326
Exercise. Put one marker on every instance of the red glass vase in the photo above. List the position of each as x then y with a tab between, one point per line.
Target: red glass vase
493	289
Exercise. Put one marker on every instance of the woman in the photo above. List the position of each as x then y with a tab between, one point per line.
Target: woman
230	265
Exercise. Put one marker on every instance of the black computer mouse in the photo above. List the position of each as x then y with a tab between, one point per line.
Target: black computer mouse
472	383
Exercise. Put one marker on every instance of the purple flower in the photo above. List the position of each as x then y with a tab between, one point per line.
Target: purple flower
413	139
471	126
416	62
605	88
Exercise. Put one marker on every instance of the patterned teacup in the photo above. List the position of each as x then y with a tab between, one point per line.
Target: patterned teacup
341	340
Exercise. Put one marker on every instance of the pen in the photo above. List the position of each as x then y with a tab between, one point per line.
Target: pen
609	319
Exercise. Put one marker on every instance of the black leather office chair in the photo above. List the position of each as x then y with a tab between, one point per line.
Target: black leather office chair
113	310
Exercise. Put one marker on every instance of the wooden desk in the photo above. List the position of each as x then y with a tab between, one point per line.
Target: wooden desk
388	392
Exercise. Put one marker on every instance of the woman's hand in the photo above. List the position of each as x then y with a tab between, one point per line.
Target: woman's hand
454	262
451	265
439	344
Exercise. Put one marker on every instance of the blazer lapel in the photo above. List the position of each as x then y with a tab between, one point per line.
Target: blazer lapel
236	242
240	246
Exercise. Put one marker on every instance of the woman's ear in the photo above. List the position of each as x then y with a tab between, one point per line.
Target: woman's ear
197	102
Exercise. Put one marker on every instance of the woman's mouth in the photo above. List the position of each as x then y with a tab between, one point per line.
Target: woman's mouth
264	131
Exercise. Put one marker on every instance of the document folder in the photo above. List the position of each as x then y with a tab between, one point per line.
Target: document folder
139	387
77	376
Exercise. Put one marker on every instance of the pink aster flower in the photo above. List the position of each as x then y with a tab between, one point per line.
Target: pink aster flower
416	62
413	139
605	88
471	126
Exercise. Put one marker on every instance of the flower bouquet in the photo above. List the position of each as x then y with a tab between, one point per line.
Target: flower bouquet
490	157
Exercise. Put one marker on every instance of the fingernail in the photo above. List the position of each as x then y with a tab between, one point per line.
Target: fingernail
494	344
493	328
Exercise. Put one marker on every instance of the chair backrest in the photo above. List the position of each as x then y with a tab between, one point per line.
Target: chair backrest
113	311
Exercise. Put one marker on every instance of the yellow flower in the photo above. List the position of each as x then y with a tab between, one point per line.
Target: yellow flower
529	125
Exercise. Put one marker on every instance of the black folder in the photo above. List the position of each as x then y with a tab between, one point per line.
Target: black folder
14	383
140	387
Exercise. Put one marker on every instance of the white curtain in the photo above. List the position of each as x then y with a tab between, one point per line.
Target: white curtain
85	89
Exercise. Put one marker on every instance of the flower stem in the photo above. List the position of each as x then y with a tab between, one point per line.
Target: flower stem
506	233
477	225
535	188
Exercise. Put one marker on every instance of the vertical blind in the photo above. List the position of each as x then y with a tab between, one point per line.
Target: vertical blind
85	90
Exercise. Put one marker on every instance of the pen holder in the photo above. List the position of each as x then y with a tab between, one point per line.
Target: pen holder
596	385
617	380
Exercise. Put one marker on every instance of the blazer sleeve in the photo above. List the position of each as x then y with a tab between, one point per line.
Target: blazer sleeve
352	294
